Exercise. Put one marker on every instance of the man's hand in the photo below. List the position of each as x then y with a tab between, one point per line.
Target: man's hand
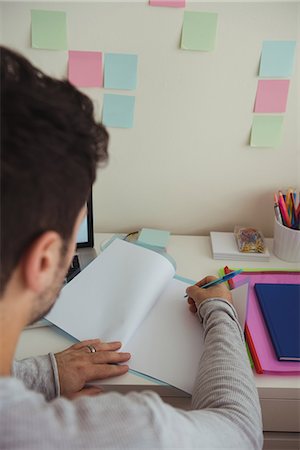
197	295
78	366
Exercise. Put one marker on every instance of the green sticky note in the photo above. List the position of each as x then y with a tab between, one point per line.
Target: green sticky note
156	238
118	110
48	30
266	131
199	31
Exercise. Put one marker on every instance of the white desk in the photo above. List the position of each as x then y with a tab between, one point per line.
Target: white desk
279	395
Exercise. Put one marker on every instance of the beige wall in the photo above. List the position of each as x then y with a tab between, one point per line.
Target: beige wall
186	165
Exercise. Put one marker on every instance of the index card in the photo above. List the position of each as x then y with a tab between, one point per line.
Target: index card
277	59
48	29
118	110
266	131
85	68
170	3
271	96
199	31
120	71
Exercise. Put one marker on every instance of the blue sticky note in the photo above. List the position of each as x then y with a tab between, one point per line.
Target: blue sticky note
118	110
120	71
277	59
157	238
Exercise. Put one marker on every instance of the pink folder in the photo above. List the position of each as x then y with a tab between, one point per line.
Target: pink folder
256	324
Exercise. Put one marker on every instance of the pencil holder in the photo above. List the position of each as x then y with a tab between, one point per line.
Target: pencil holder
286	244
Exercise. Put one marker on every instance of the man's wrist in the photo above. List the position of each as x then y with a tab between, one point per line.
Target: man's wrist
55	374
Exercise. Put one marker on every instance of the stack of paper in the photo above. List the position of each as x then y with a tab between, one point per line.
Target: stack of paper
224	246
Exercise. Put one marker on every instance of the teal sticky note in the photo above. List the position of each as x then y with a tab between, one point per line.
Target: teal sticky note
48	29
118	110
199	31
156	238
277	59
120	71
266	131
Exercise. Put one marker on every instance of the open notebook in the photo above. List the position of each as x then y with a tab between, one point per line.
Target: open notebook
129	293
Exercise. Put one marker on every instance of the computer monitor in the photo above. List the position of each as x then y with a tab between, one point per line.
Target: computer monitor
85	237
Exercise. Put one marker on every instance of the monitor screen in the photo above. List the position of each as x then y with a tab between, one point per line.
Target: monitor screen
83	232
85	237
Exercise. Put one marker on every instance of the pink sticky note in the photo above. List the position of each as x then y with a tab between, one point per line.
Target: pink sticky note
171	3
271	96
85	68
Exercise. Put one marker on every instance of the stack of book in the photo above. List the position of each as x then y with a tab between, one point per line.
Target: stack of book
273	319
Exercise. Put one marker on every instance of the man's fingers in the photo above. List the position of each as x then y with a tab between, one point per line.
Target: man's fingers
206	280
192	291
97	344
109	346
193	308
108	357
99	372
85	343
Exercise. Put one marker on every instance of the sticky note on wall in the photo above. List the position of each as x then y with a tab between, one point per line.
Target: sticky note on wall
85	68
120	71
266	131
277	59
48	29
271	96
118	110
199	31
168	3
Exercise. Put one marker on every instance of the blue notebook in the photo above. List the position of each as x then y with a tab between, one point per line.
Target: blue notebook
280	306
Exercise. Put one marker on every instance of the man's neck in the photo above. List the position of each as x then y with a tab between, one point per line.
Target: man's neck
13	318
9	335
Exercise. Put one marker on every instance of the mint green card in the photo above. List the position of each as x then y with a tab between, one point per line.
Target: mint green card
48	29
266	131
199	31
157	238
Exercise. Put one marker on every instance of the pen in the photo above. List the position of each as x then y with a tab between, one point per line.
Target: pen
277	210
288	203
283	210
293	208
220	280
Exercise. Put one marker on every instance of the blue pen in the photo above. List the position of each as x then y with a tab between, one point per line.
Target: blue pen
226	277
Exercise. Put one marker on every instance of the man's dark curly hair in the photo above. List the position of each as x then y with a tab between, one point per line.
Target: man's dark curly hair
50	149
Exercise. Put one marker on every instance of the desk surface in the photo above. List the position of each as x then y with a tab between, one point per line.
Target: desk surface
194	260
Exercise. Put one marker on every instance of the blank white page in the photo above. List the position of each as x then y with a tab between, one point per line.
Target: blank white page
110	298
169	344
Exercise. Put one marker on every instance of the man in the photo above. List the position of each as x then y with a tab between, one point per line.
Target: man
50	147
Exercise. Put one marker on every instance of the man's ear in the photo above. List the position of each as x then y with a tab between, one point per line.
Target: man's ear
41	261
